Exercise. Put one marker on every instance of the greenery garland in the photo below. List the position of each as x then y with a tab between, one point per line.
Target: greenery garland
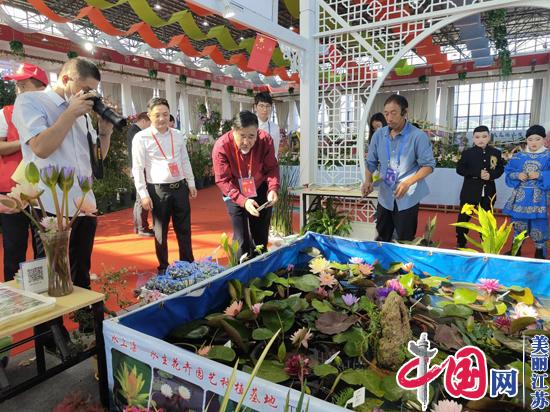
230	89
207	83
496	21
71	54
183	79
17	48
153	74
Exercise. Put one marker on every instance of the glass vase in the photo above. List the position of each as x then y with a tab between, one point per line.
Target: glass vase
56	246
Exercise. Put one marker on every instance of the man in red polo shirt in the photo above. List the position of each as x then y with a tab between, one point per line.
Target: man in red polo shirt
15	227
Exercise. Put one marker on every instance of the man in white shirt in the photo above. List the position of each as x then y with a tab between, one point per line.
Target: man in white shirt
53	127
263	104
168	181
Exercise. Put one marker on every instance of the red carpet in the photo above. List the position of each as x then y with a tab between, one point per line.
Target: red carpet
116	246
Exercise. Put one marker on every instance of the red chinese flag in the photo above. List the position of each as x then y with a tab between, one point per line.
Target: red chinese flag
261	53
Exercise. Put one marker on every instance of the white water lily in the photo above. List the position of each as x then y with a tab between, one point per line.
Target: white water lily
521	310
49	223
447	406
166	390
88	207
319	265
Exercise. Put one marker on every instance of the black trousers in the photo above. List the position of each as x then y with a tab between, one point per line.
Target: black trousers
248	230
171	203
140	216
15	237
404	222
485	203
81	245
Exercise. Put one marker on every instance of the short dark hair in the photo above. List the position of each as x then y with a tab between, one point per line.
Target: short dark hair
142	116
481	129
245	119
37	83
157	101
263	97
86	68
172	119
399	100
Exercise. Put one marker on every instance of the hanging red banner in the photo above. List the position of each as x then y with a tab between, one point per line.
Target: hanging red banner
261	53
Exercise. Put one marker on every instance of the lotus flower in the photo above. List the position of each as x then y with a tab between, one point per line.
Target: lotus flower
366	269
297	365
394	284
350	299
49	223
85	183
319	265
65	179
204	350
88	206
326	279
8	205
166	390
301	337
356	260
256	308
49	175
184	392
321	292
234	309
521	310
489	285
447	406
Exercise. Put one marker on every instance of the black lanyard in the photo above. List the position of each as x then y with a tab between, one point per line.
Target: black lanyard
96	159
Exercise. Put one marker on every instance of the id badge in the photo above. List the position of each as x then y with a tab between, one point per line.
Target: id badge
248	187
174	169
391	177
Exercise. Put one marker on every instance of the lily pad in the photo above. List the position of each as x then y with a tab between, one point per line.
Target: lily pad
448	336
433	281
407	281
526	296
323	370
191	330
322	306
306	283
365	377
223	353
521	323
262	334
272	371
356	342
514	344
283	319
392	391
331	323
297	304
459	311
463	296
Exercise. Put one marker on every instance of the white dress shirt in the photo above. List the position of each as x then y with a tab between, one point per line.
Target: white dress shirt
146	155
3	126
273	130
35	112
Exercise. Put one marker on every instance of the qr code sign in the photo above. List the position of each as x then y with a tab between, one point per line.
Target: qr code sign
36	274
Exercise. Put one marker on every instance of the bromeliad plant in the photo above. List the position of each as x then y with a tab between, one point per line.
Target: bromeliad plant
54	230
493	237
333	327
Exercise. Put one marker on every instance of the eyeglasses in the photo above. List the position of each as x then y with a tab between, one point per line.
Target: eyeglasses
263	106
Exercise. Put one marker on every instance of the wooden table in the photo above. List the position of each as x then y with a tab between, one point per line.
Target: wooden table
80	298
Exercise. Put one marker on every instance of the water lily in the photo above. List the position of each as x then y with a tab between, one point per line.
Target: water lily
407	267
326	279
184	392
256	308
26	192
321	292
234	309
395	285
49	175
297	365
447	406
356	260
489	285
365	269
290	267
503	322
32	174
166	390
49	223
382	293
350	299
8	205
521	310
85	183
66	178
319	265
204	350
88	206
301	337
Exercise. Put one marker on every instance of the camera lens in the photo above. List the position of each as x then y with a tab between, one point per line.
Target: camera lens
107	113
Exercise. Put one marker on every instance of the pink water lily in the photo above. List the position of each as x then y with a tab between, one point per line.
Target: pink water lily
366	269
356	260
88	206
447	406
350	299
204	350
256	308
488	285
234	309
395	285
321	292
521	310
326	279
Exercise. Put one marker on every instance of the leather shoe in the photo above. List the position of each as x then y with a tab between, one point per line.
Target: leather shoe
146	233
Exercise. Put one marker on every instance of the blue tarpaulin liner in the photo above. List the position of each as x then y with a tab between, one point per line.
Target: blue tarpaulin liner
159	318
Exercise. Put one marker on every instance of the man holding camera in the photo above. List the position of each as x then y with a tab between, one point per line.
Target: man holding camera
54	128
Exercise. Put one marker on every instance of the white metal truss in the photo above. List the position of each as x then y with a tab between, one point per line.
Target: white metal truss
360	43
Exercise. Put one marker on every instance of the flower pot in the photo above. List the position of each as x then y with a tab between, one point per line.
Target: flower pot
56	246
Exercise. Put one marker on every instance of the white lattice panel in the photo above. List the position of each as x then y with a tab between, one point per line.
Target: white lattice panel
360	42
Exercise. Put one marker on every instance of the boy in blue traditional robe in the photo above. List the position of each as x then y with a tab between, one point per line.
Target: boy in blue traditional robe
528	172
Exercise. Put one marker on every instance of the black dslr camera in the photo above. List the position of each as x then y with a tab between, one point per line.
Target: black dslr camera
106	112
